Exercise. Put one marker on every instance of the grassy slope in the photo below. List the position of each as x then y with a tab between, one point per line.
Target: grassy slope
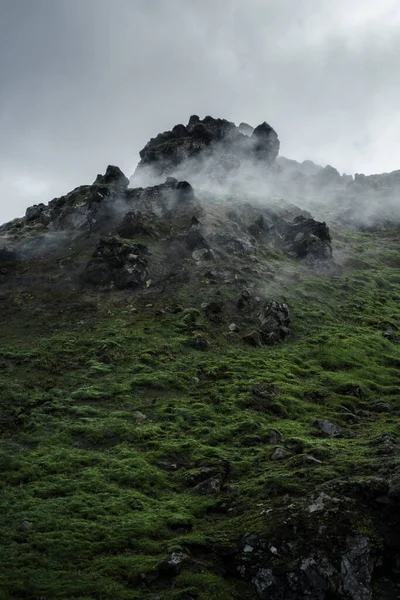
94	497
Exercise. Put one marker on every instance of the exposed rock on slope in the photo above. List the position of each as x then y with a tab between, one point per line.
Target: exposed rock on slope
119	264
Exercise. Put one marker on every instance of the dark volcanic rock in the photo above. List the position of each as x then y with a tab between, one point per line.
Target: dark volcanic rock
265	143
135	223
217	145
173	201
275	321
308	237
86	208
34	212
119	264
114	177
313	575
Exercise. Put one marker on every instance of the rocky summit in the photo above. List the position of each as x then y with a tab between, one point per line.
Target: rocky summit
212	147
200	380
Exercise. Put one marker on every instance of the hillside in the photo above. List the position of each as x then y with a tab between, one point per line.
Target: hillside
200	383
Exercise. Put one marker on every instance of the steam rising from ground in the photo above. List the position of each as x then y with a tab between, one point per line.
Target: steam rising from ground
364	202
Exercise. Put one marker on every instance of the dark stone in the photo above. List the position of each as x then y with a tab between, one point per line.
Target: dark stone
280	454
186	192
259	227
275	320
274	437
200	343
34	212
180	130
131	276
98	272
246	301
171	181
195	240
265	143
193	120
172	202
306	237
133	224
114	262
113	177
209	487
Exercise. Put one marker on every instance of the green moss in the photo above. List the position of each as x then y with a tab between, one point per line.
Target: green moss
107	426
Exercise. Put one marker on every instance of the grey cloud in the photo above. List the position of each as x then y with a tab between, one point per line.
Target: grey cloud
85	83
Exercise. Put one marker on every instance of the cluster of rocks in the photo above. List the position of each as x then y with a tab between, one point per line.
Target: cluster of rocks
274	318
215	146
173	201
313	575
115	263
86	208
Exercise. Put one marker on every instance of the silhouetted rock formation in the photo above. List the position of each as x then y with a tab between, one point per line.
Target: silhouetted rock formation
117	264
215	145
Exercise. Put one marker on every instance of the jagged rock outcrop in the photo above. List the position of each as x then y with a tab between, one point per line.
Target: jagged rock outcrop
274	318
215	146
315	575
108	203
115	263
113	177
172	201
86	208
306	237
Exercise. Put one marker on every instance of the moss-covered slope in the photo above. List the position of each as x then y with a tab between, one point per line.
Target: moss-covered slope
135	465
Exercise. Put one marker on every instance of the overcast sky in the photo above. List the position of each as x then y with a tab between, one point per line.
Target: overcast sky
85	83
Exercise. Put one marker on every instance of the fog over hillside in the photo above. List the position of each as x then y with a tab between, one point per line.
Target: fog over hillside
86	84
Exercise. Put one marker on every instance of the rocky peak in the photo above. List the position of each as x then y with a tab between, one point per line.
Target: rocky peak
216	146
113	177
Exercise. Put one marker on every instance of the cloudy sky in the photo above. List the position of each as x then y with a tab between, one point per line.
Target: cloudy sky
85	83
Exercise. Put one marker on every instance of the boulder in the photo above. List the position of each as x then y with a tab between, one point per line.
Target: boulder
280	454
306	237
328	428
34	212
201	343
209	487
116	263
173	201
135	223
113	177
275	321
265	143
